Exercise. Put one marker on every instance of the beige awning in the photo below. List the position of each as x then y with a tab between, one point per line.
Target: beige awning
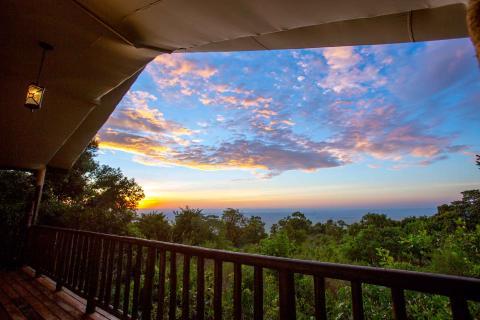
102	45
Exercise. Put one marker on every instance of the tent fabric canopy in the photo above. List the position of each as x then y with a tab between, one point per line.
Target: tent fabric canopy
102	46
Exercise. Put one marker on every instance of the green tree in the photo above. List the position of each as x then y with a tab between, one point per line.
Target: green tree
466	209
234	222
154	225
16	191
331	228
277	244
191	227
374	231
254	230
90	196
296	226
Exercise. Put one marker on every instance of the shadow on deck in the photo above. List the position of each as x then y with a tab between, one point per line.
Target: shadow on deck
24	297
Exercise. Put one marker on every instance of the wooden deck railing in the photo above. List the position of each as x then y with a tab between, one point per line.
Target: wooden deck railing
121	274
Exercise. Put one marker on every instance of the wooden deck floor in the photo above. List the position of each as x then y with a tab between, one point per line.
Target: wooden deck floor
24	297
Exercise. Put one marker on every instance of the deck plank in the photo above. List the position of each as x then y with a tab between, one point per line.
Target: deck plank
37	305
50	293
4	314
24	297
68	297
49	300
10	308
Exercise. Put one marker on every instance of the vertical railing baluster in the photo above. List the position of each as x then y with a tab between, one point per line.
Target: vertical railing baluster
51	255
34	246
39	247
69	253
173	286
108	284
148	284
76	271
217	290
357	300
56	254
43	257
93	274
64	260
76	262
287	295
83	260
200	288
237	291
51	244
128	278
258	293
73	259
61	258
186	288
53	247
136	281
398	301
84	266
459	308
161	285
103	267
66	256
320	301
118	277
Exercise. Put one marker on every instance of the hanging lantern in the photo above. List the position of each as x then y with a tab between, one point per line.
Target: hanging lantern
34	96
35	92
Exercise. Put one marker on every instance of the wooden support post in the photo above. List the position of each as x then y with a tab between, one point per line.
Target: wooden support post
39	181
32	217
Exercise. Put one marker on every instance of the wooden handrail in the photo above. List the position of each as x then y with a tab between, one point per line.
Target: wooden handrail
92	263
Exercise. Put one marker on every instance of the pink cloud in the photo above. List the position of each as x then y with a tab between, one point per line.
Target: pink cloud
385	133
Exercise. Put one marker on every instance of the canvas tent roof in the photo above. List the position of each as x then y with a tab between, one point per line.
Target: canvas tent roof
102	46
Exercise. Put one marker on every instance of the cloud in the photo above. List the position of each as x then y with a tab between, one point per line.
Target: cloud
341	57
135	125
175	71
348	74
181	67
434	68
239	154
318	109
142	130
383	132
135	114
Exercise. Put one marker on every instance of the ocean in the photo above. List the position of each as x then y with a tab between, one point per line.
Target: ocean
349	215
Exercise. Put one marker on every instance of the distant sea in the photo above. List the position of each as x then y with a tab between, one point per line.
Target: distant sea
349	215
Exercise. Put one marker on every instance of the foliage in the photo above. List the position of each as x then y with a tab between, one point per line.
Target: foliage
154	226
16	191
191	227
90	196
240	230
296	226
278	245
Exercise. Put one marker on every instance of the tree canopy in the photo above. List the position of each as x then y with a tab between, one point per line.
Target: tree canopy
90	196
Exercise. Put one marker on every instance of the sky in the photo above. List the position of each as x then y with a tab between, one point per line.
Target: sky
368	126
